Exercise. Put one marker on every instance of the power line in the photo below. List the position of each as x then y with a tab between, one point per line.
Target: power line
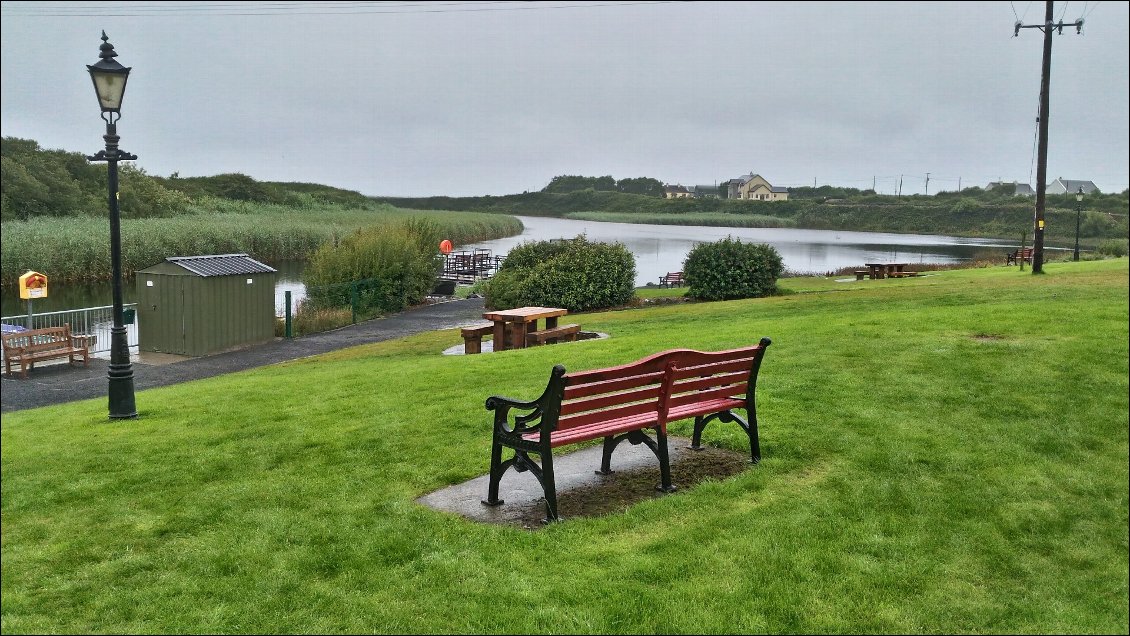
305	9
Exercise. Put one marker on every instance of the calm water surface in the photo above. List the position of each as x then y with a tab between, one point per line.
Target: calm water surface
658	249
662	248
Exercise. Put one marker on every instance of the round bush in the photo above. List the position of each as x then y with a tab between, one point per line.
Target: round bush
729	269
576	274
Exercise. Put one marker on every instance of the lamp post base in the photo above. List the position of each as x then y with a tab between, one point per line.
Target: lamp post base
120	376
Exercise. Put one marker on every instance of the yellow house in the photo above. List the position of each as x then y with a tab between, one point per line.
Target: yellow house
677	192
754	187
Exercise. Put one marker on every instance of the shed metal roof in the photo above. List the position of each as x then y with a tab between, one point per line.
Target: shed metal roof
221	264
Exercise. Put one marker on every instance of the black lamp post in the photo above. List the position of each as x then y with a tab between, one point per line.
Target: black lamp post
110	85
1078	209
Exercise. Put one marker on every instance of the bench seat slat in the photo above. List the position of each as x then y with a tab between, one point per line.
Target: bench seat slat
600	428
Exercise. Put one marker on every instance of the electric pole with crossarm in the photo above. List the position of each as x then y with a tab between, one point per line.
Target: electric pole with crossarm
1042	166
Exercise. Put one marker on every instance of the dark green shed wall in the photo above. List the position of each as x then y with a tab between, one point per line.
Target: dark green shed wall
183	313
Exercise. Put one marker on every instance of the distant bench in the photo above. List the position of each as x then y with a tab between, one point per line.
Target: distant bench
672	279
860	274
620	403
1014	257
35	345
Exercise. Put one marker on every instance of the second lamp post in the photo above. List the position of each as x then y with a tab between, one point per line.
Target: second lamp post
1078	211
110	85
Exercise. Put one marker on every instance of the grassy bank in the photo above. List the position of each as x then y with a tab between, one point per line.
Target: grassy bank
946	454
75	248
715	219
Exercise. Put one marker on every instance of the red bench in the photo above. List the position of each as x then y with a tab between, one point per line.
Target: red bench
672	279
621	403
1014	258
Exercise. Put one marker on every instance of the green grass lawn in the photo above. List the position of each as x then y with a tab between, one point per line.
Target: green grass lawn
945	454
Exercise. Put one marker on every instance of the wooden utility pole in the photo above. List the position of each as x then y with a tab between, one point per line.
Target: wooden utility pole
1042	160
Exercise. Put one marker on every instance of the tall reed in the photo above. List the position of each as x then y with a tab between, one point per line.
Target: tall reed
77	248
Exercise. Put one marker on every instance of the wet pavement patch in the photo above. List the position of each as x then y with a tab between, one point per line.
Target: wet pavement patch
583	493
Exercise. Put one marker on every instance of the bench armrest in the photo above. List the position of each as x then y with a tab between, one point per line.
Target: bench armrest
530	422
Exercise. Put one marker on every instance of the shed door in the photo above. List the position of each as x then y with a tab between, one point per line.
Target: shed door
164	305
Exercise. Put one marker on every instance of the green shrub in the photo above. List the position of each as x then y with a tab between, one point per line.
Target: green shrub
729	269
376	270
576	274
1113	247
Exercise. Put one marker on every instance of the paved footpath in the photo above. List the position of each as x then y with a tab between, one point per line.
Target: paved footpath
57	383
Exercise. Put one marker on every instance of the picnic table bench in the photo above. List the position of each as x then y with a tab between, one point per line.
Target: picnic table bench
622	403
1014	257
672	279
34	345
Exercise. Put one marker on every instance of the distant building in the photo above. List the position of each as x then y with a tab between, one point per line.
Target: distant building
754	187
1070	186
1022	189
705	191
676	192
730	188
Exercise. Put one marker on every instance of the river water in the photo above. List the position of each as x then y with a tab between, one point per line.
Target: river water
658	249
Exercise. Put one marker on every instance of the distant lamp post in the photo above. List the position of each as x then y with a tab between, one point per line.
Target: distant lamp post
109	79
1078	210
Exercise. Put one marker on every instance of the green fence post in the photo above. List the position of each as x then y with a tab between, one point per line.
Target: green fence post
289	320
353	299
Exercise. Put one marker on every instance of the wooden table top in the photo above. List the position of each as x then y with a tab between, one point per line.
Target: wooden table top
525	314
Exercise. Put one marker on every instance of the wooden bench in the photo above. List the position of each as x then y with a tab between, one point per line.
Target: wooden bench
672	279
902	274
1014	257
860	273
563	332
35	345
621	403
473	337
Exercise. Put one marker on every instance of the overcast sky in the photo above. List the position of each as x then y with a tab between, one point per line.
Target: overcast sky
472	98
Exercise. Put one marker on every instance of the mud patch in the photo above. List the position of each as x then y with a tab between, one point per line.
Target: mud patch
583	493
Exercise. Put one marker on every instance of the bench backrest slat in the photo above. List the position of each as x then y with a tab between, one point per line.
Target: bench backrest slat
579	389
594	402
710	382
592	417
729	391
35	340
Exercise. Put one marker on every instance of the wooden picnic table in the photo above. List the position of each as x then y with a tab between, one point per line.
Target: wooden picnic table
882	270
518	322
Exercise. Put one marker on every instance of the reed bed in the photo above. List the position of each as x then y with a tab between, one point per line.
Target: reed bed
77	248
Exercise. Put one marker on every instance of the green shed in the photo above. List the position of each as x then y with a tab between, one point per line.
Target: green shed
197	305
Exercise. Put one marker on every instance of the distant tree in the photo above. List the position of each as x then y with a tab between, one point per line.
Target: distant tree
641	185
574	183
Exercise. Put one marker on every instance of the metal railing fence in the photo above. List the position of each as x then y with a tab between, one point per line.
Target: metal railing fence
91	321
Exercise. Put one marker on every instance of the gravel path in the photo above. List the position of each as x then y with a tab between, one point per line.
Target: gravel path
57	383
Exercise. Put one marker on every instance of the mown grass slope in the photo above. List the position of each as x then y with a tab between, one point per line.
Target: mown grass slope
943	454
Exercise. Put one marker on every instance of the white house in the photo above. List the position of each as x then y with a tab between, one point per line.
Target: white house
1070	186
